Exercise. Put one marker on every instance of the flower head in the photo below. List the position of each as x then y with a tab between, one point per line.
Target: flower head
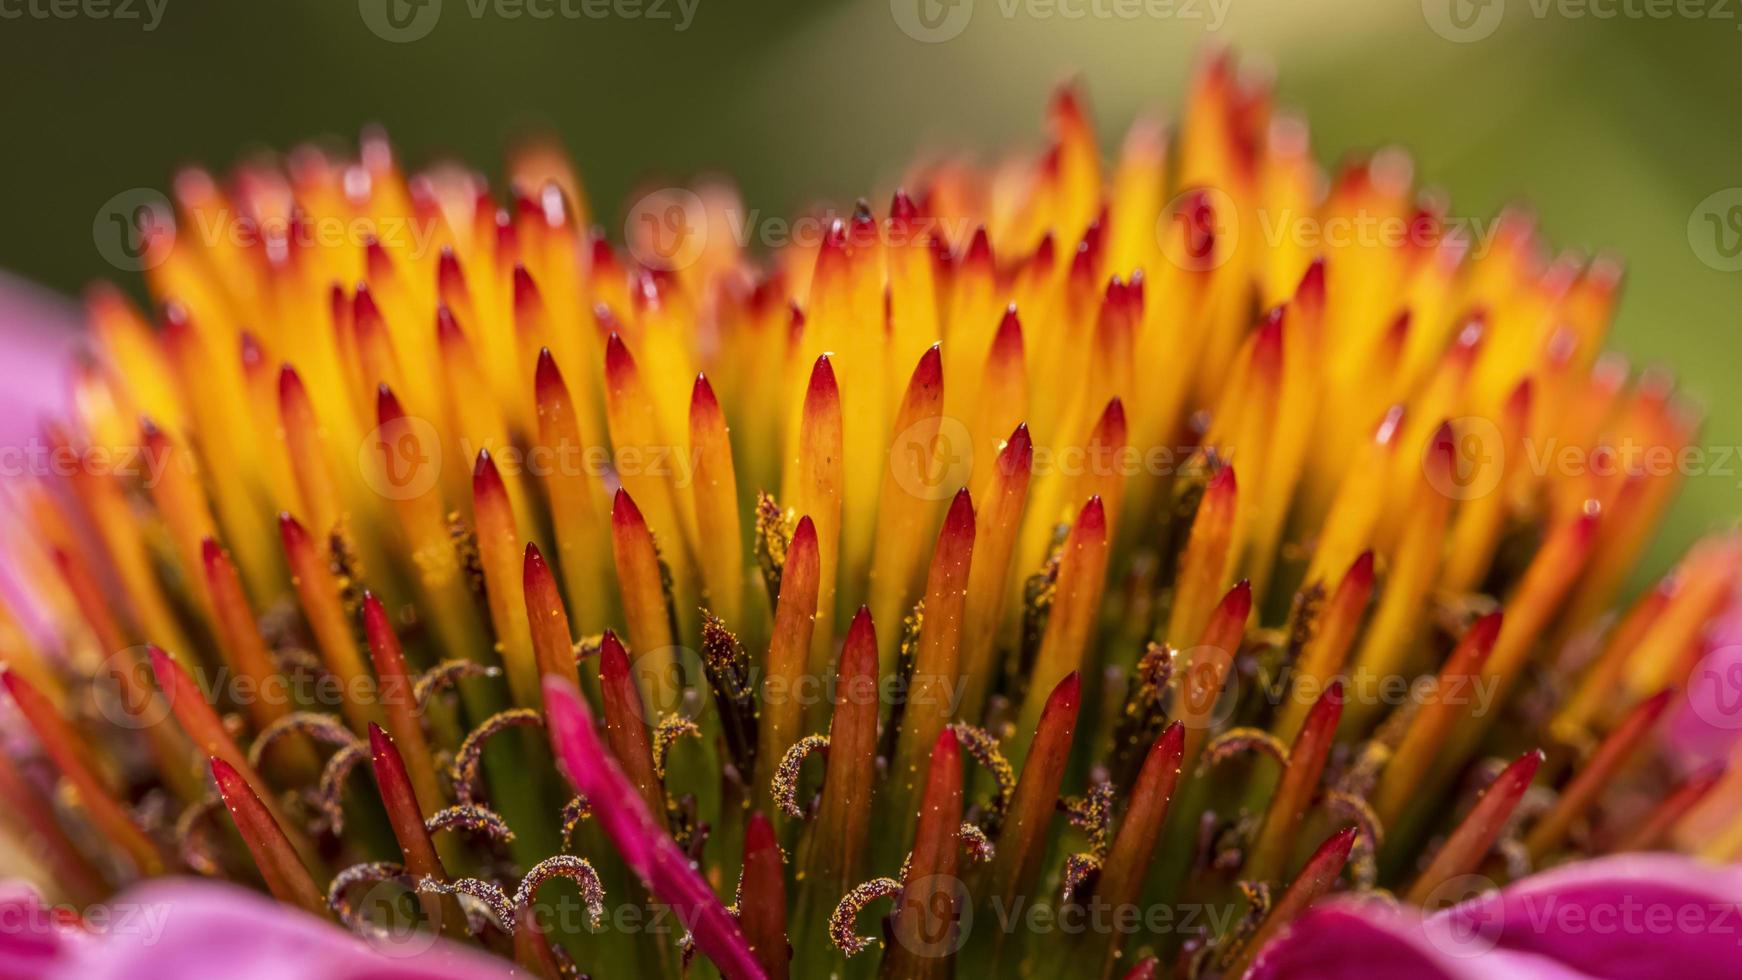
1085	569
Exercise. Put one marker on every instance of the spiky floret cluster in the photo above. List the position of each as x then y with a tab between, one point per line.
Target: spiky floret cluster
1220	553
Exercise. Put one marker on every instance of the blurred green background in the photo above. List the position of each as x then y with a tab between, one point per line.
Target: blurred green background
1615	129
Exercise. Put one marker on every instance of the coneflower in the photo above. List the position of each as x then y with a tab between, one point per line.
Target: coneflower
1068	571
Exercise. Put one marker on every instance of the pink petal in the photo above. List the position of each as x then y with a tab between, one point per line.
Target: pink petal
1708	719
1363	939
33	937
1354	939
40	330
1630	917
190	929
644	845
1707	727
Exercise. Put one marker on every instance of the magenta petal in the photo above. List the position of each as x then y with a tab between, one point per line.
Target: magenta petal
33	938
644	845
1706	727
41	331
192	930
1366	939
1708	718
1628	917
1352	940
